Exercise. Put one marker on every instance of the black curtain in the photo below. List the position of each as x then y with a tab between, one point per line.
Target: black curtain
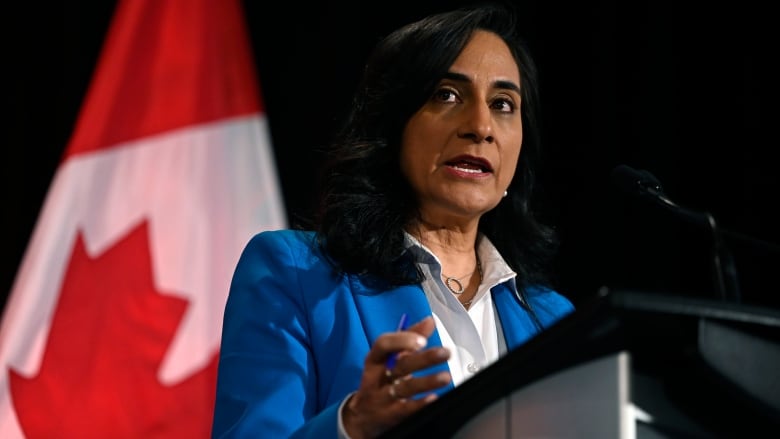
687	91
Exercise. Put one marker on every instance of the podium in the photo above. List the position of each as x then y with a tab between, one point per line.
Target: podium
625	365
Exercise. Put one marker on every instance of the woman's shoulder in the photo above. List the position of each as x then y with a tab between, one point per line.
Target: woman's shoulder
300	245
549	300
285	237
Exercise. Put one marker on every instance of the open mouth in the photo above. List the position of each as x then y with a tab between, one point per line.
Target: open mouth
469	164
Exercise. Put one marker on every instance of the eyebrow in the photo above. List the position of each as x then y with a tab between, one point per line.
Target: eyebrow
502	84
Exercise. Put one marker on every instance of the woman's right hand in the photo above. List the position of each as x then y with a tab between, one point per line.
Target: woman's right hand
386	397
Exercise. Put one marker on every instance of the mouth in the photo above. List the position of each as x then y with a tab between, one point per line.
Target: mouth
470	164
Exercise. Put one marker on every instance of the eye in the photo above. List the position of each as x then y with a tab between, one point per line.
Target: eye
504	104
445	95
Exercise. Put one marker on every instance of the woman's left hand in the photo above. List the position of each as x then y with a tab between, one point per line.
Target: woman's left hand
387	396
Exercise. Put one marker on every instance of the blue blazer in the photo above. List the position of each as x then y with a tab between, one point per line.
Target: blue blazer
296	333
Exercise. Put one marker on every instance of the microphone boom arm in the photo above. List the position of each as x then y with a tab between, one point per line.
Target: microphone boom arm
645	184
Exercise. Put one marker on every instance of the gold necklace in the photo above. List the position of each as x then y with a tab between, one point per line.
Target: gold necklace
449	280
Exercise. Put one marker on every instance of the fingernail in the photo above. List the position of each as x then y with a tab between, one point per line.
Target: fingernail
421	341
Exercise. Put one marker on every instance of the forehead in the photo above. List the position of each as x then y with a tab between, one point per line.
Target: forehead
487	56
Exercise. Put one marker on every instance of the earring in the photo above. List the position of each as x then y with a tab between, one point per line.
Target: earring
506	193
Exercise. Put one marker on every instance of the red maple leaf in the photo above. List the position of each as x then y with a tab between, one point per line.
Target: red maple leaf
98	377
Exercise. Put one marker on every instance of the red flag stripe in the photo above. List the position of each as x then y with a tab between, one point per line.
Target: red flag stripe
152	78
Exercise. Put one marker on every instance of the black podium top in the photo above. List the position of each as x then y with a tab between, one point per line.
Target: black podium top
716	364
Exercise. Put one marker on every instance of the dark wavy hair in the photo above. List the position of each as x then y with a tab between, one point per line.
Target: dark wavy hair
366	202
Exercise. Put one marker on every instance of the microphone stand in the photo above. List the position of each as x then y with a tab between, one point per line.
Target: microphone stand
723	267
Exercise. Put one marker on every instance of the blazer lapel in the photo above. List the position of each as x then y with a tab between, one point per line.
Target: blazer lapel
380	310
517	325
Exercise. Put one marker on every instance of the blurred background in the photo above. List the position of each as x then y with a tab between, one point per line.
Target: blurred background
686	91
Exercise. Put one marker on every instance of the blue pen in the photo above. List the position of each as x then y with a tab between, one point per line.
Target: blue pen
402	325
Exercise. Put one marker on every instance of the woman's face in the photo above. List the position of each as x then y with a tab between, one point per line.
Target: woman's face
460	149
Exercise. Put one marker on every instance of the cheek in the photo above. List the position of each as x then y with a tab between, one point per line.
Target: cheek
425	132
418	148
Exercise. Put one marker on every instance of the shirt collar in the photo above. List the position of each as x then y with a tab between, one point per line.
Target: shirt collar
494	268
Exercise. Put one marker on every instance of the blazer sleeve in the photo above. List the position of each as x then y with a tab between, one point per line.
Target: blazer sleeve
266	380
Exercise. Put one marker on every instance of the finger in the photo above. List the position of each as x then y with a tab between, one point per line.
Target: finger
408	340
424	327
392	342
393	390
419	360
379	368
413	362
410	387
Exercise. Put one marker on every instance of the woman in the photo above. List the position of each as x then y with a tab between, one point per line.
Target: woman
425	212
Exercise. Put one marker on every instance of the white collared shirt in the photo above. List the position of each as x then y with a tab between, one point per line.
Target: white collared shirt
473	336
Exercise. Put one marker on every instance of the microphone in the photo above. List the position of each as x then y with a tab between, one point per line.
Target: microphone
639	182
645	185
631	180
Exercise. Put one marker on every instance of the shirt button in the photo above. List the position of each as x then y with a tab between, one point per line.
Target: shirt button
473	367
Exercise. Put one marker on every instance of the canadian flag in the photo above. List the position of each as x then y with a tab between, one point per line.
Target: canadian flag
113	324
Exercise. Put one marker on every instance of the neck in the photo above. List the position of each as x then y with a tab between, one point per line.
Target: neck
454	246
445	239
449	231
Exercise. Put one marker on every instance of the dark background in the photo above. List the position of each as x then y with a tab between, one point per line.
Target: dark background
687	91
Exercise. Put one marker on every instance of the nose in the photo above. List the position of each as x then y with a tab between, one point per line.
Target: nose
477	123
